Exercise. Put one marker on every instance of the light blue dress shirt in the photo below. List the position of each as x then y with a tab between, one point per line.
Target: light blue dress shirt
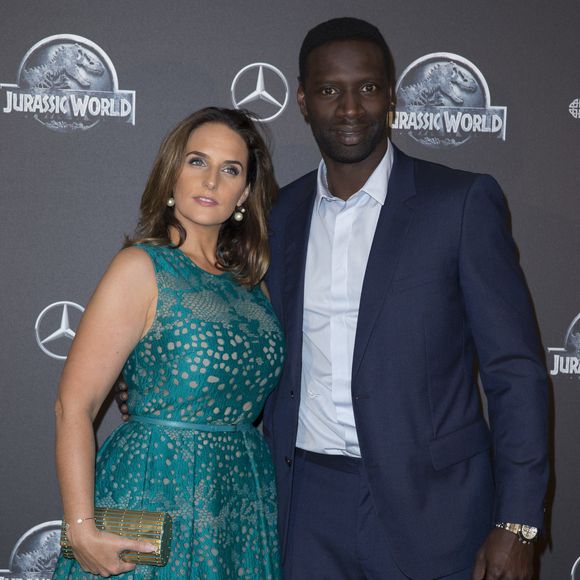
341	234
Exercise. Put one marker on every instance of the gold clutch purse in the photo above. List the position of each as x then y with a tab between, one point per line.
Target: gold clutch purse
152	527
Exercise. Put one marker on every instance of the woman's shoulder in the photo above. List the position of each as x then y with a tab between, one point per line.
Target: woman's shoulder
129	280
153	260
146	252
135	255
134	263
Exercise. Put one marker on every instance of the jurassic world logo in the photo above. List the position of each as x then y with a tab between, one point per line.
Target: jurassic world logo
566	359
443	100
575	574
35	553
67	83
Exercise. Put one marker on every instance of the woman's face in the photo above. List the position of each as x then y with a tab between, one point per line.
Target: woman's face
213	177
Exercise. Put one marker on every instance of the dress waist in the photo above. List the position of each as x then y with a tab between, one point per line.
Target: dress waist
241	426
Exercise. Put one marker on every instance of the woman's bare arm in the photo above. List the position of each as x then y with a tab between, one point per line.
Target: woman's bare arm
117	316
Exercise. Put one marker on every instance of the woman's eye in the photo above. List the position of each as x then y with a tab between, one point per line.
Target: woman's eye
196	161
232	170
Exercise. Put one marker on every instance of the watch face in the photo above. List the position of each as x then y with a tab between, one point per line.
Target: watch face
529	532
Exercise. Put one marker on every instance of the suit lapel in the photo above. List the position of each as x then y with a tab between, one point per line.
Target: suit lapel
297	231
394	220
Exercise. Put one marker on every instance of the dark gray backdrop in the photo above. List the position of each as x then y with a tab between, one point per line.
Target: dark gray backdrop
67	198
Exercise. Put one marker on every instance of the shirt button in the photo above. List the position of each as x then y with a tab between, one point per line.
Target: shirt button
288	461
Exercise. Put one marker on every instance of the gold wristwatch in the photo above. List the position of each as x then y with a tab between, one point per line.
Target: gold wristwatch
526	534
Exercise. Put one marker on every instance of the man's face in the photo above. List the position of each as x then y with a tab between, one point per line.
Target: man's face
345	99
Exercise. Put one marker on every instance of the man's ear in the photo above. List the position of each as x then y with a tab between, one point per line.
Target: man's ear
391	107
301	100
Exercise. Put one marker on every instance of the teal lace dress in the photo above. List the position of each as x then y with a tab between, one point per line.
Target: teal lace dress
197	381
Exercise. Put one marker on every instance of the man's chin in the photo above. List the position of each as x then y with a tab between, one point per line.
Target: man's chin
338	152
346	154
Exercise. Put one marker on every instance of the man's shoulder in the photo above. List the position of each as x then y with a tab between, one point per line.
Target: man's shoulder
431	177
303	185
293	194
435	173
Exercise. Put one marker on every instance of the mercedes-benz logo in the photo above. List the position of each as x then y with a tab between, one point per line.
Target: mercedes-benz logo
254	88
64	328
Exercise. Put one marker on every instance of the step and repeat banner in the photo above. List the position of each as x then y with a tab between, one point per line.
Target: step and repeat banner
87	92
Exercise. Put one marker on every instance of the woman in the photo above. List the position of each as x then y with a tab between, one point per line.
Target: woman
181	313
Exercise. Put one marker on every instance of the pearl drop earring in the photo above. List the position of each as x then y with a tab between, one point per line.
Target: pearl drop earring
239	213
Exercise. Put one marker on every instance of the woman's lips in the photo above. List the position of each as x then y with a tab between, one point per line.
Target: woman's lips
205	201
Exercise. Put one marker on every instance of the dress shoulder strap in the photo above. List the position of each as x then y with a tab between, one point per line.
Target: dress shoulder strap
172	272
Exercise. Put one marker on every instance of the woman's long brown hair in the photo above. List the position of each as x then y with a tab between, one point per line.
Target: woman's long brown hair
242	247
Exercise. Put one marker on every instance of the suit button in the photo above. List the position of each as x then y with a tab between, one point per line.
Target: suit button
291	394
288	461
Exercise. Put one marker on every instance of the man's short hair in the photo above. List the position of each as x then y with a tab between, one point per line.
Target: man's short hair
339	29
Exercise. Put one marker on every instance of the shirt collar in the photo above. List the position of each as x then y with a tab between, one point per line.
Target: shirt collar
375	186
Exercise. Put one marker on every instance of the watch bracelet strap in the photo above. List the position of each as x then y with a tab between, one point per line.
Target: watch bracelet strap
515	529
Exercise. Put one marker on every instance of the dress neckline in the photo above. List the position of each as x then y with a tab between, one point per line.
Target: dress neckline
196	266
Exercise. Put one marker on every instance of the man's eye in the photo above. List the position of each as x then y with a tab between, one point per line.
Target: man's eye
369	88
328	91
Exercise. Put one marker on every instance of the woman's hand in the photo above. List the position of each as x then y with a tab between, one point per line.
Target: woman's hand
99	552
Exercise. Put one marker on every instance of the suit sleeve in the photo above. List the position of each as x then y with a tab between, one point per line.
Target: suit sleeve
274	278
513	374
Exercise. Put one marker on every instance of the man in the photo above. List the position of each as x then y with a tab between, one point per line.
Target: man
390	275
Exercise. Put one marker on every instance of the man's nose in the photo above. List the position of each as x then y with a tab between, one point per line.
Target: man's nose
350	104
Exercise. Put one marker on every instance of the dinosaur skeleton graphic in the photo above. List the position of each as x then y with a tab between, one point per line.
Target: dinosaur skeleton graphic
442	80
70	62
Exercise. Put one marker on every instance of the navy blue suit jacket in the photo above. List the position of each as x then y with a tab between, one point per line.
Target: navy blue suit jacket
442	289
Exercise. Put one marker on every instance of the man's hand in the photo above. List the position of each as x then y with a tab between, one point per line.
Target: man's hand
504	557
121	396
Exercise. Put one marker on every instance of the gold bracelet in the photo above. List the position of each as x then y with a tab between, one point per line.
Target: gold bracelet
79	521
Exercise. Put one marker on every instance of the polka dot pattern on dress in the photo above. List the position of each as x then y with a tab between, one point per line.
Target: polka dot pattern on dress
213	354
